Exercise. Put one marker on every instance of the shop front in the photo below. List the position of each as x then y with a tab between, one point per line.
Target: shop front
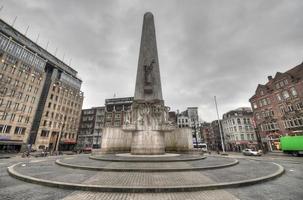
273	141
10	146
67	145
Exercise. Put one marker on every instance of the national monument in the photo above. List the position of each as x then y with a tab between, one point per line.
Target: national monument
146	129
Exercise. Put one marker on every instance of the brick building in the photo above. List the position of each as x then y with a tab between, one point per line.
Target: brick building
206	134
278	107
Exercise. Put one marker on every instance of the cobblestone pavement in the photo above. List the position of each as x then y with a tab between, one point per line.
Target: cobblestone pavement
85	161
203	195
288	186
113	157
246	169
11	188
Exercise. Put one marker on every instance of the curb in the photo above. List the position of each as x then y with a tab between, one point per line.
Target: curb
142	189
147	160
58	162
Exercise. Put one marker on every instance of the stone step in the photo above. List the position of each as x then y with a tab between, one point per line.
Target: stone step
50	174
89	164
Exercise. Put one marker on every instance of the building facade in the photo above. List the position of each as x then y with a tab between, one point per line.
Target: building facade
115	110
278	107
238	129
91	127
190	118
215	136
40	97
206	134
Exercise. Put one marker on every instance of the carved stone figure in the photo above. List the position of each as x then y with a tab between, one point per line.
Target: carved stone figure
148	78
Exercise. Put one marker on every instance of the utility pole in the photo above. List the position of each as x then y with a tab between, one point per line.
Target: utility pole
222	142
60	133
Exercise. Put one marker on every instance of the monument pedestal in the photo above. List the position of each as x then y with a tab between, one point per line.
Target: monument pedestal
148	142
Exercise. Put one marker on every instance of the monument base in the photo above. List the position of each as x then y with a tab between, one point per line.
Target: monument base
148	142
115	140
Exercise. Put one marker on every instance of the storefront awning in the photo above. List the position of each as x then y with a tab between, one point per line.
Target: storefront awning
11	142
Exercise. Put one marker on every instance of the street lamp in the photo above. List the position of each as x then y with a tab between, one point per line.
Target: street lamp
222	142
60	134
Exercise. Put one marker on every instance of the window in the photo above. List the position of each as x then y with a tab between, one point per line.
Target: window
23	86
279	97
293	92
13	93
255	105
44	133
285	94
8	105
12	117
290	107
277	85
16	107
5	129
242	136
19	95
33	99
19	73
20	118
19	130
26	98
36	90
29	89
23	108
26	120
299	106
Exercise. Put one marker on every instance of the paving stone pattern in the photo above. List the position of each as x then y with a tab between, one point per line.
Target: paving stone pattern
246	169
152	179
48	170
113	157
203	195
210	161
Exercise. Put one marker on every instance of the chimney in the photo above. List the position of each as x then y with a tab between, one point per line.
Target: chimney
269	78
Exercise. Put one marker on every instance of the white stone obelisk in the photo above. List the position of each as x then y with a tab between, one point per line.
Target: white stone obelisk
148	107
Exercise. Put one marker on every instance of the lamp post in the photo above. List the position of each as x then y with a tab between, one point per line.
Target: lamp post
98	138
221	136
60	134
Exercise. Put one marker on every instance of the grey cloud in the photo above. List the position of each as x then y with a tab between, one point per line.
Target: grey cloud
206	48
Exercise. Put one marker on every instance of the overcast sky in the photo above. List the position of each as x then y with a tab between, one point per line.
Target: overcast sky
205	48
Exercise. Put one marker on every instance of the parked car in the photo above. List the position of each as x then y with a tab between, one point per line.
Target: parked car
87	150
250	152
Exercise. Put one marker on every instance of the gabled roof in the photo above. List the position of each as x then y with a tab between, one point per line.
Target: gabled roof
295	73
